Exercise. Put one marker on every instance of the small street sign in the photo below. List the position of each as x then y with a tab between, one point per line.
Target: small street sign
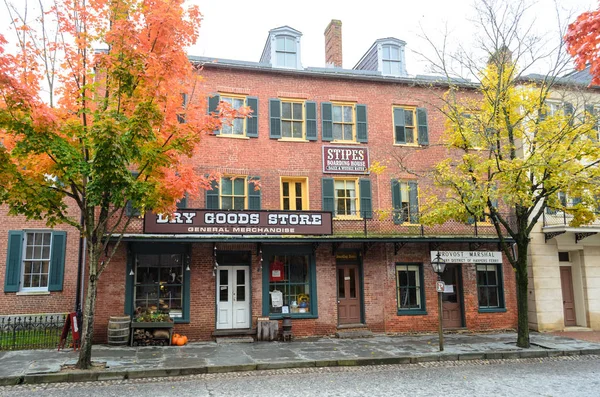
439	286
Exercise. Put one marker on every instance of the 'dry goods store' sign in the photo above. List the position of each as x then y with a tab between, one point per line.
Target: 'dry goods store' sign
345	160
190	221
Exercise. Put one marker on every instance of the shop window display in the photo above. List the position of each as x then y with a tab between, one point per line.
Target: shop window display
159	284
289	284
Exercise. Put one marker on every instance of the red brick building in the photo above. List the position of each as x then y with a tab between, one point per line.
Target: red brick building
323	240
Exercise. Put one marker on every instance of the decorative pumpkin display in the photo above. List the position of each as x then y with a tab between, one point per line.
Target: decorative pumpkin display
179	340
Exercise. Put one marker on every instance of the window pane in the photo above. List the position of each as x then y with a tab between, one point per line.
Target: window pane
280	43
386	67
297	132
286	110
409	118
286	129
298	111
38	238
386	52
239	203
280	59
286	189
46	252
340	185
395	52
493	296
337	113
238	186
410	135
238	126
29	253
337	131
47	238
45	265
341	284
37	252
44	280
348	114
492	279
27	281
352	283
286	203
226	203
290	44
290	59
483	300
395	68
348	132
226	129
226	186
299	204
298	265
298	186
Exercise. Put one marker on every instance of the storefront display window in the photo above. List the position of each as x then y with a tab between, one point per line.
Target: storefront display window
159	284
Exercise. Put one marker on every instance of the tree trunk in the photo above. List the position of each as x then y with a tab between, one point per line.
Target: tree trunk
522	298
85	353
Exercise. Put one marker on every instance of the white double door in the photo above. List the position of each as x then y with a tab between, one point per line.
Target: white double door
233	297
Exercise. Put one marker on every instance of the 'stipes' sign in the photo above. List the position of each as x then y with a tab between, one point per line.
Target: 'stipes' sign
345	160
469	256
191	221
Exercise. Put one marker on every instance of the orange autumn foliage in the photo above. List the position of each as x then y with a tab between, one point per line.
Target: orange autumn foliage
583	43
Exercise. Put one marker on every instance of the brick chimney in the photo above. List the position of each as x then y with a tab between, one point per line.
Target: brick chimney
333	44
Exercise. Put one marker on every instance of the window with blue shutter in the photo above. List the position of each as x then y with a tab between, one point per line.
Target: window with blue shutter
326	121
274	118
12	276
422	126
366	207
396	201
311	121
212	197
252	120
57	261
254	193
213	104
399	123
328	194
361	124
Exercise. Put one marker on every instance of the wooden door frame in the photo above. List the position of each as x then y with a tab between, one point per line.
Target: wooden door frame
460	295
572	288
361	286
215	304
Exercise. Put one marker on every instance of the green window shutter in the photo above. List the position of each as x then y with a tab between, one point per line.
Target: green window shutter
361	124
399	123
57	261
422	126
12	278
212	197
274	118
213	103
327	192
253	194
252	120
396	201
182	203
413	201
130	210
327	121
311	121
366	208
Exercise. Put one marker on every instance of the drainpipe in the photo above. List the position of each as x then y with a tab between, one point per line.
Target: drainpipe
80	262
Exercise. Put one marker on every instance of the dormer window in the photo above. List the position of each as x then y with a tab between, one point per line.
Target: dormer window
282	49
390	58
285	51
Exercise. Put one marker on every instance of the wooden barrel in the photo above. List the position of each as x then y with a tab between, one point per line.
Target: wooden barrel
118	330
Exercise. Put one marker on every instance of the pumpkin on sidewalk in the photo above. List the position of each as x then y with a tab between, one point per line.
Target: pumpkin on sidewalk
179	340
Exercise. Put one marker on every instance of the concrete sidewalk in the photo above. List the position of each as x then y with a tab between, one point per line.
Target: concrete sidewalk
44	366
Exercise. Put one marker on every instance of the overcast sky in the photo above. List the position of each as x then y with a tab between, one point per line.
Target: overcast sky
239	29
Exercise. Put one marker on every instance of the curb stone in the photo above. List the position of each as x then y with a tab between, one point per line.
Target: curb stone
84	376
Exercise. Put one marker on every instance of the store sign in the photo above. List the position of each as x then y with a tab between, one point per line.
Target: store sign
190	221
345	160
469	256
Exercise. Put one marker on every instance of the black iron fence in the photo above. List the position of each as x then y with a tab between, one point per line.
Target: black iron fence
31	331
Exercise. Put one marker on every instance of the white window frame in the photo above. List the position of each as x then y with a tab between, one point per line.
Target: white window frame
233	97
356	214
24	259
391	60
343	123
285	51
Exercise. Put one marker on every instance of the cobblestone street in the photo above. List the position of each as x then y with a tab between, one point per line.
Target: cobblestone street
557	376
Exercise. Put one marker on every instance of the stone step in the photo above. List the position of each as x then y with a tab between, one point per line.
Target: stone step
226	340
353	333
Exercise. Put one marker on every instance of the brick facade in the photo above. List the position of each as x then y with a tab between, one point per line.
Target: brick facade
271	159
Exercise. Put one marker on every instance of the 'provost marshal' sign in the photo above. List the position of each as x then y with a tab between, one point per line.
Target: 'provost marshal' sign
190	221
469	256
345	160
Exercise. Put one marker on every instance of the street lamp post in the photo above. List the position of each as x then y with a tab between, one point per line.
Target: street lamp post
439	265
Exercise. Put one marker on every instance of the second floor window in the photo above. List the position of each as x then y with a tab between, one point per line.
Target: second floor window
343	122
292	120
347	197
410	126
405	200
294	195
237	124
234	193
